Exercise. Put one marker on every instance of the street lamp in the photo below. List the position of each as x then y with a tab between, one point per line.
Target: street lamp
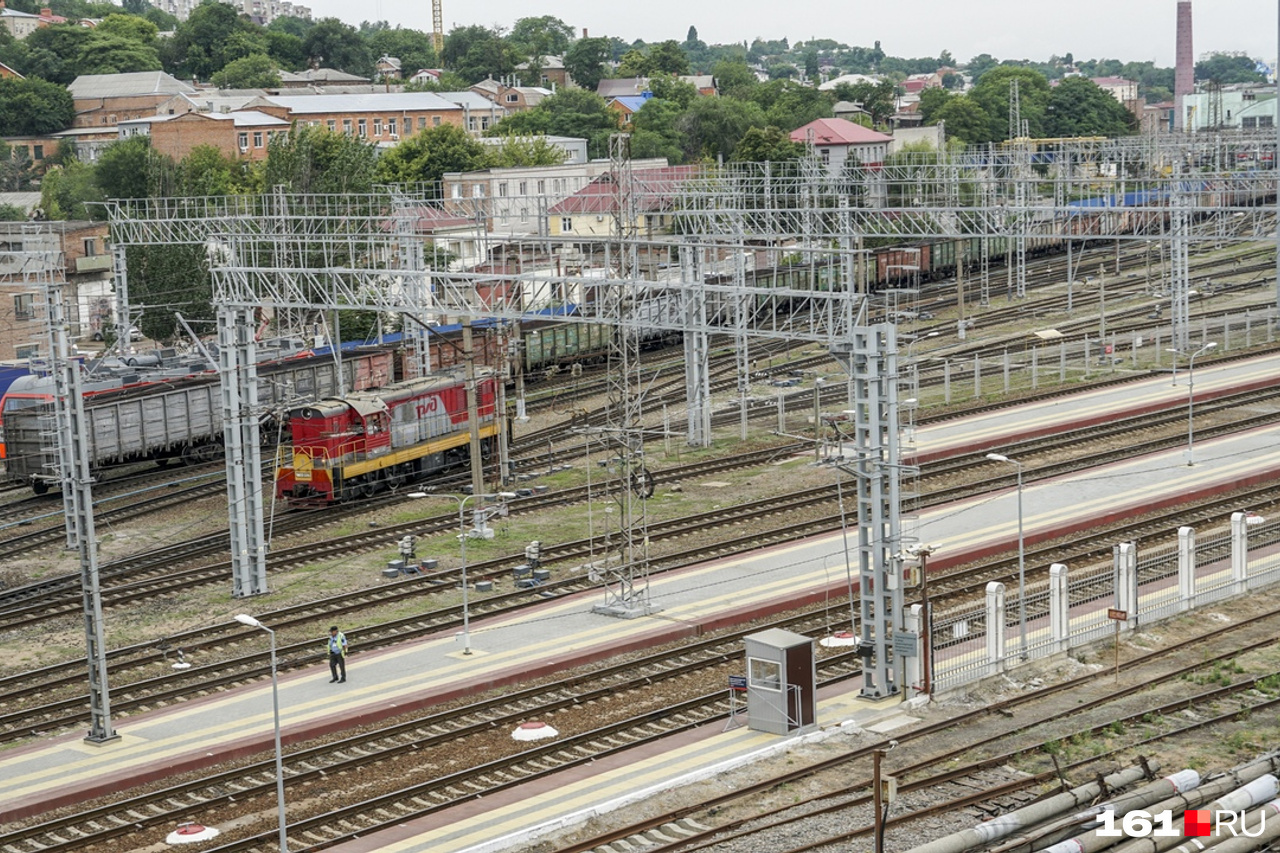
1022	557
1176	352
1191	399
463	535
245	619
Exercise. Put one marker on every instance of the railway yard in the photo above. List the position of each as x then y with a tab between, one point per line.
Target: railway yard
648	749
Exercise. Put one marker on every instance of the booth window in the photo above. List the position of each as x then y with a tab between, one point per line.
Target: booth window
765	674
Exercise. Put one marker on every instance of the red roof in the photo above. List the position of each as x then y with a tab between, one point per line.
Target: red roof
655	189
838	131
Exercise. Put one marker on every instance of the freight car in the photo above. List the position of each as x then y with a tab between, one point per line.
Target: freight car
351	447
176	419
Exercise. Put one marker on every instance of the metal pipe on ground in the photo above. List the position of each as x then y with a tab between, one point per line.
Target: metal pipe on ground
1254	822
1243	844
1028	816
1065	830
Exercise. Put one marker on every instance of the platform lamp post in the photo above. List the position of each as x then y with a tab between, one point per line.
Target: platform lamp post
915	370
1191	400
245	619
1022	558
463	535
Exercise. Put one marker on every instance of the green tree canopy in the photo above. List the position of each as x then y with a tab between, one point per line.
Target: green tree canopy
761	144
585	60
735	79
878	99
33	107
789	105
125	168
207	171
128	26
426	156
932	100
286	49
68	192
713	126
17	172
105	53
966	120
671	88
53	53
333	44
313	160
668	58
1078	107
569	112
211	37
477	52
1228	68
545	35
524	151
256	71
992	94
412	47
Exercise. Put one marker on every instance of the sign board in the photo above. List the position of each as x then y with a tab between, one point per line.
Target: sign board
737	682
905	643
1118	615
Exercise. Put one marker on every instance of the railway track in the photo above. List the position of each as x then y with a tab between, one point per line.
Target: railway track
961	584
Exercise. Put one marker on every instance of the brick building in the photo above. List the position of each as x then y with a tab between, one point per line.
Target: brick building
376	117
84	264
104	100
239	134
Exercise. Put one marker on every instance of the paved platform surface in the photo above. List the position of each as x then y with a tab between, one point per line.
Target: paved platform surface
564	633
989	430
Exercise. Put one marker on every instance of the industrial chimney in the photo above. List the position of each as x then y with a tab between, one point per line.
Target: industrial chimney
1185	68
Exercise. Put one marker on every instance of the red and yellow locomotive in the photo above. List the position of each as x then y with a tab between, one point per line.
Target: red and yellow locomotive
344	448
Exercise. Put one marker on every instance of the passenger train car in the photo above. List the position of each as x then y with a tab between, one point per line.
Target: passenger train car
352	446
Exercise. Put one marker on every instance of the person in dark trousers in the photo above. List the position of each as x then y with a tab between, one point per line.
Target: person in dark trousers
337	654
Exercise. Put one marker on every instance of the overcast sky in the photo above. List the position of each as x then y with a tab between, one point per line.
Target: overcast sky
1007	29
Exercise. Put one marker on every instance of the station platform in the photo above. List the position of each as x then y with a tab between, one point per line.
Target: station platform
990	430
564	633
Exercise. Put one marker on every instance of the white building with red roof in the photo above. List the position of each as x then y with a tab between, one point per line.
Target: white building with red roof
838	141
591	210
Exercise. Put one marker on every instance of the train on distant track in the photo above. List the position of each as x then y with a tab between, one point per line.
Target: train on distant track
350	447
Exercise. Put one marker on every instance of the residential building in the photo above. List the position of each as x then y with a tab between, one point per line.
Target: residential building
19	24
551	72
838	141
387	68
83	261
516	200
259	11
851	79
621	87
591	211
318	77
513	99
244	133
384	117
6	71
103	100
628	105
478	112
450	232
427	75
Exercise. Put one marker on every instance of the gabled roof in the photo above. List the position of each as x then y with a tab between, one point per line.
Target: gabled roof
389	61
655	189
838	131
123	85
852	79
394	101
471	100
621	86
548	63
633	103
321	75
11	72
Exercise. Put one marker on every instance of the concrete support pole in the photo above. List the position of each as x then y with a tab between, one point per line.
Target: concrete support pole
1059	608
1223	786
1038	812
1126	575
1062	362
1269	817
977	377
1090	842
946	381
1239	553
1186	568
1005	365
995	627
1035	367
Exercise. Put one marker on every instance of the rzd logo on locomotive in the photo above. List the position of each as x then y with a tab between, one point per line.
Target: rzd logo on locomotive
428	406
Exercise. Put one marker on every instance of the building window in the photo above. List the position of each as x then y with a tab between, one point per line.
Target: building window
484	122
90	246
257	139
435	121
37	152
333	125
363	127
244	141
513	98
477	191
542	187
393	127
524	214
422	122
502	188
346	126
26	351
471	123
1266	121
457	190
24	306
377	127
524	188
566	223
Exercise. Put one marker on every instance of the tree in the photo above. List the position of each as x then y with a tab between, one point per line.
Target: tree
426	156
1079	107
17	172
673	89
931	101
53	53
212	36
1227	68
333	44
477	52
713	126
761	144
585	60
992	94
692	35
735	79
128	26
966	120
569	112
668	58
980	64
524	151
546	35
207	171
412	47
952	81
170	279
68	192
249	72
782	71
878	99
811	64
12	213
313	160
124	168
654	132
105	53
789	105
634	63
34	107
287	50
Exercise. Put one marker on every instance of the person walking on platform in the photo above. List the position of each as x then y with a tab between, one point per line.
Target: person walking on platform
337	648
